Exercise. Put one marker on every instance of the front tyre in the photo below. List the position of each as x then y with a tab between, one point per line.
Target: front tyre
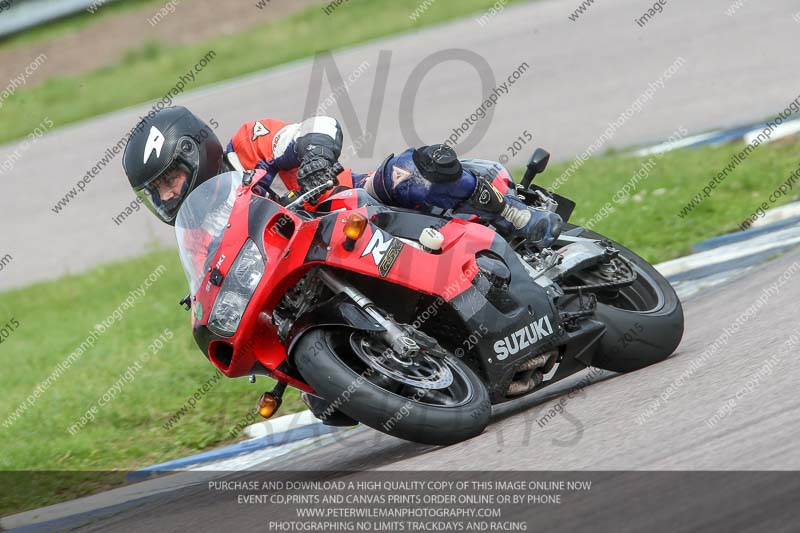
439	401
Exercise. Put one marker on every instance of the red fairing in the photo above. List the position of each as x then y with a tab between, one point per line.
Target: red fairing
447	274
375	254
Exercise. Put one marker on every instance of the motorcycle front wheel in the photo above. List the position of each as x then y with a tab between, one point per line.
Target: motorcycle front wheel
430	400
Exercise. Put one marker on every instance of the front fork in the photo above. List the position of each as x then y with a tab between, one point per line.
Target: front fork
402	340
402	344
406	342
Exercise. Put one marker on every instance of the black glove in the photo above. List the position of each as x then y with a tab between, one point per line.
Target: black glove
313	172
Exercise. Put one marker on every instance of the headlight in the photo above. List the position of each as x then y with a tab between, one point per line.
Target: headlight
236	291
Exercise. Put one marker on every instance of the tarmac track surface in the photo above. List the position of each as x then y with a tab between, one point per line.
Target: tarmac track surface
601	431
582	75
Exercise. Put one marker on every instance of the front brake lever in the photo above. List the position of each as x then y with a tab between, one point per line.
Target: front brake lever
302	198
331	182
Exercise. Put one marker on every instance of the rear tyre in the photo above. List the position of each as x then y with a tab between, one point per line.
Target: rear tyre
385	399
644	321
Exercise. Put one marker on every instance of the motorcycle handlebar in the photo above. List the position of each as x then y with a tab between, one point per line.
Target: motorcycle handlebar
300	200
290	200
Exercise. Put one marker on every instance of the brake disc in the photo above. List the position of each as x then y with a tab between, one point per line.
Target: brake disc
614	274
422	371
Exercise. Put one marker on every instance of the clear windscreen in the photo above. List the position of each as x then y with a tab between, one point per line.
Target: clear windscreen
201	222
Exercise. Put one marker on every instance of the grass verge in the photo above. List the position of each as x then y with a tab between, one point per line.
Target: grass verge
156	67
129	432
647	219
133	428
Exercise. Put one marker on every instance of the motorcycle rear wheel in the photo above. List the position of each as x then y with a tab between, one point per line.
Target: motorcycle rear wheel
327	360
644	321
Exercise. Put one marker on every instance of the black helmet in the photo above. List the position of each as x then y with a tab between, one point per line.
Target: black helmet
171	139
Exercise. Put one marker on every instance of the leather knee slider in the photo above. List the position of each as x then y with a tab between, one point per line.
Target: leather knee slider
437	163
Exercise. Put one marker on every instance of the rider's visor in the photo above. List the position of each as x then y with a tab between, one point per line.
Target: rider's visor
165	193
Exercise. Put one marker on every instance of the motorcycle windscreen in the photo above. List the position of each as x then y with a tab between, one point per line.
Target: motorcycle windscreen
201	222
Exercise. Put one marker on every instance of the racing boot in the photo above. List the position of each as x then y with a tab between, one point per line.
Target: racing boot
511	216
325	411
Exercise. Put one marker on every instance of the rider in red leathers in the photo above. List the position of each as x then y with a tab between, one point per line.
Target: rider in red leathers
171	152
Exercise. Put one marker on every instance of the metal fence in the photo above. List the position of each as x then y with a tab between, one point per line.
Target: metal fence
19	15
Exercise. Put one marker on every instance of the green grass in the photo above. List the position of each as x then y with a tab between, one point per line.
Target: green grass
651	226
56	316
156	67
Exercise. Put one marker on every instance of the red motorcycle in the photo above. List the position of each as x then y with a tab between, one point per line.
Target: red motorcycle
413	324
